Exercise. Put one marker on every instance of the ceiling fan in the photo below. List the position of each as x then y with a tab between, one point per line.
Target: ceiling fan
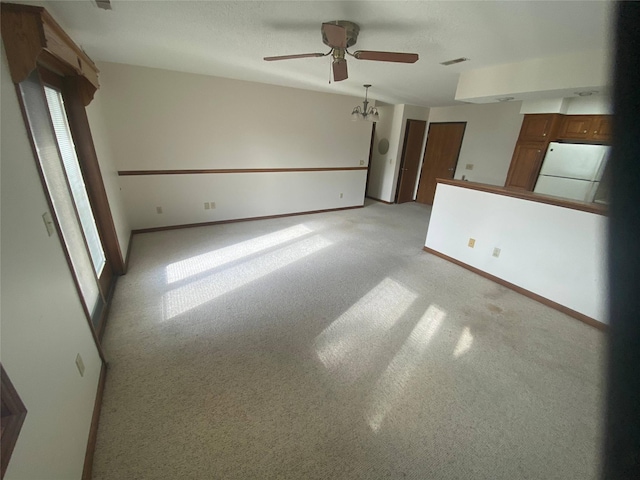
340	35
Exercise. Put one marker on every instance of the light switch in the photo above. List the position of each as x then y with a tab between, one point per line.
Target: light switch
80	365
48	222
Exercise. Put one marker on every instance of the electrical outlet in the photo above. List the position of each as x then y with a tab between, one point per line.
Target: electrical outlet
361	162
158	210
206	206
496	252
80	365
213	205
340	195
472	242
469	166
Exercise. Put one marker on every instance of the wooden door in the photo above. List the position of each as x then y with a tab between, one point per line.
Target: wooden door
525	166
413	137
440	157
536	128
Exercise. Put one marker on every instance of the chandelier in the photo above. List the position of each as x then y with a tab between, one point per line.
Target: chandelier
364	112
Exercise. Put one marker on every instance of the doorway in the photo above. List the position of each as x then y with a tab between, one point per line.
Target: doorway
410	161
440	157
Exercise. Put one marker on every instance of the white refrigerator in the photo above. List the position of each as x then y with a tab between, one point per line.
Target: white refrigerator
571	170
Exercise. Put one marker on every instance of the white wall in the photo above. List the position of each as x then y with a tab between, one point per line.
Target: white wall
545	105
43	324
109	171
236	195
385	168
556	252
158	119
557	76
589	105
593	105
489	138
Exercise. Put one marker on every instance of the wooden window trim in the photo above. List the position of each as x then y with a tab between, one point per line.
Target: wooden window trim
85	149
32	37
13	414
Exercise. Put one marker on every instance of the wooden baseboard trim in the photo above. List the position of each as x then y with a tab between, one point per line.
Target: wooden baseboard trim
93	432
236	220
124	173
378	200
126	260
527	293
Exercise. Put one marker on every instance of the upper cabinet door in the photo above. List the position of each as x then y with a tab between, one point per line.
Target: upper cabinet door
576	127
601	128
525	166
537	127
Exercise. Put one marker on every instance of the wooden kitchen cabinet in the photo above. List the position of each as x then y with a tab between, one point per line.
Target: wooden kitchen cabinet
525	166
586	127
538	127
537	131
601	128
576	127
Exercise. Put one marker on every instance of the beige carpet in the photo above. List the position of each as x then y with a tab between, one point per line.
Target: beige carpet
331	346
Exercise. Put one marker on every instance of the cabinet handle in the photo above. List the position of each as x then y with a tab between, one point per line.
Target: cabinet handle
595	131
584	131
544	134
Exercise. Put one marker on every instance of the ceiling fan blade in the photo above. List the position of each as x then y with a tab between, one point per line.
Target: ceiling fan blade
289	57
386	56
335	34
340	70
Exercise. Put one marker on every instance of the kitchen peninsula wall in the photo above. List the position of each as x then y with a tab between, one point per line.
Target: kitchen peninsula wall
548	249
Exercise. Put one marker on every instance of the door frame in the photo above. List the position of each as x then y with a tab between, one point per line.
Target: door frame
371	147
402	159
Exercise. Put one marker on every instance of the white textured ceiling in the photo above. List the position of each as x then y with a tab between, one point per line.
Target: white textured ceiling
229	39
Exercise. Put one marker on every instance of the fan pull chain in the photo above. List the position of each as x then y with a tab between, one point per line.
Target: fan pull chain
330	65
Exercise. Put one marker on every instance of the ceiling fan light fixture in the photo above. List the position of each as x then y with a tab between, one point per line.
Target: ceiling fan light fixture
369	114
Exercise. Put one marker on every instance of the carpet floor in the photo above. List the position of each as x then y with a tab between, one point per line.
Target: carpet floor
330	346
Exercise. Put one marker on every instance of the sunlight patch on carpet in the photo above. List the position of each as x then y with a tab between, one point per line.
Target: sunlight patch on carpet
464	343
351	341
392	383
197	293
197	264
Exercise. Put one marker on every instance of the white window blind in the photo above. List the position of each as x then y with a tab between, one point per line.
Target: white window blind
55	179
74	176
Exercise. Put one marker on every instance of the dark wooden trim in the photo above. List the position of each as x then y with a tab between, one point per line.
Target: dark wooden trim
378	200
93	432
54	218
88	159
248	219
523	291
13	415
123	173
533	197
31	36
371	147
126	260
104	315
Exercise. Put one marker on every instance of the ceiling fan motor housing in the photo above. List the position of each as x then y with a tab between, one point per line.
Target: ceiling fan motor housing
352	32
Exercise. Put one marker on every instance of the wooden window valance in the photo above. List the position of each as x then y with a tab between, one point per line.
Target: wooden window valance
32	37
